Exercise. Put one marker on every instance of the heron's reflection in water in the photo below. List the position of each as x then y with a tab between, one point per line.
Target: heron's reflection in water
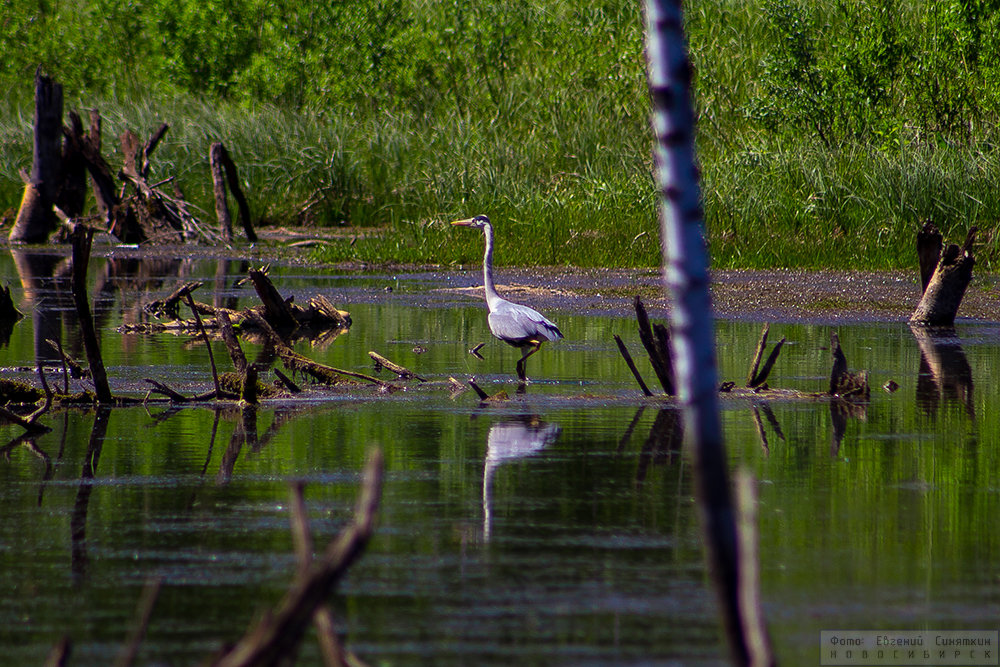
508	440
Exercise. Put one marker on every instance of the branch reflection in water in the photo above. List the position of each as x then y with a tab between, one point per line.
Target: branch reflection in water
509	440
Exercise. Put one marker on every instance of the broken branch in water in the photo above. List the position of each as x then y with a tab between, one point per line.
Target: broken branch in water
631	366
657	347
843	382
400	371
279	633
334	654
297	362
281	314
754	378
208	343
82	239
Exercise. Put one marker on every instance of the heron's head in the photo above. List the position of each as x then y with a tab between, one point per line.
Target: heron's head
478	222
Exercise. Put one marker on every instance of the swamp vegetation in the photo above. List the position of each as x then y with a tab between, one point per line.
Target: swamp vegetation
828	132
556	526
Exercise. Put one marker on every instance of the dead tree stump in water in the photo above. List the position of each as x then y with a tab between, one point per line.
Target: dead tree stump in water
843	382
224	173
36	218
82	241
945	273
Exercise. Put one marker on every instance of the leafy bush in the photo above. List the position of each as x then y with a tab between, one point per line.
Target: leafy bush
880	72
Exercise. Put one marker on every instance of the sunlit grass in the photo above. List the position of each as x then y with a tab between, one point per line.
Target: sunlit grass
556	150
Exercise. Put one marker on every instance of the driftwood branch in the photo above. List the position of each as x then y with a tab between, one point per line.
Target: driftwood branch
277	310
401	372
297	362
278	634
208	344
631	366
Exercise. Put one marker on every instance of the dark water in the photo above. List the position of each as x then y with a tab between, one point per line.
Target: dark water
557	528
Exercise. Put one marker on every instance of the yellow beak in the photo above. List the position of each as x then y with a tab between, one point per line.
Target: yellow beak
463	223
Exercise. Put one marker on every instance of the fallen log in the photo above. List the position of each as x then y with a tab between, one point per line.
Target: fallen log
951	275
294	361
401	372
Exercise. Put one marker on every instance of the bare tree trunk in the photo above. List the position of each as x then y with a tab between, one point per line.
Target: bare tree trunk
219	188
36	219
946	272
224	173
687	277
82	240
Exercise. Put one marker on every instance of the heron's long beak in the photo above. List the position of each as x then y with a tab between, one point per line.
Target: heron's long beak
463	223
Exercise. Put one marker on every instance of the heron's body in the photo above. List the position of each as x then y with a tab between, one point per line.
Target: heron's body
514	324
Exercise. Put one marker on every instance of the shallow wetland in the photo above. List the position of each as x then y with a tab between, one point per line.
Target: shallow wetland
554	528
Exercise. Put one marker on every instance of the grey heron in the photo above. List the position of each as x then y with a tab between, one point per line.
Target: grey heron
524	328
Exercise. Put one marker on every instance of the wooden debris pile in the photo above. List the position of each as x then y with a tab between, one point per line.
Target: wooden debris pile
281	314
132	208
656	341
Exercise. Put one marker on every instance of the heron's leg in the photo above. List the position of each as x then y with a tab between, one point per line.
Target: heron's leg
526	352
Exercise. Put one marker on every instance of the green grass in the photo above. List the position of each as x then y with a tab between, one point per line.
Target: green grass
823	141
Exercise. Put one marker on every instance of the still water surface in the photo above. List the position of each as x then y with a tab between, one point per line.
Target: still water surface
557	528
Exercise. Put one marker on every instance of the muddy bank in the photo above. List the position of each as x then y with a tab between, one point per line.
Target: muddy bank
775	296
782	295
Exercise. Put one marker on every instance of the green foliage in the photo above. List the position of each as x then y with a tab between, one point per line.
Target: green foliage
827	131
880	72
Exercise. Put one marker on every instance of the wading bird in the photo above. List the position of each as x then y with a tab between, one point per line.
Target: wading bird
514	324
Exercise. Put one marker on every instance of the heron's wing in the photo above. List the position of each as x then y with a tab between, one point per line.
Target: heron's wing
513	323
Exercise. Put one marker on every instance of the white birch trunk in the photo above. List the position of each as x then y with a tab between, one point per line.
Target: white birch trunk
686	271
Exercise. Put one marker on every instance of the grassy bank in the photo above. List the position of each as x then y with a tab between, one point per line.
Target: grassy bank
827	132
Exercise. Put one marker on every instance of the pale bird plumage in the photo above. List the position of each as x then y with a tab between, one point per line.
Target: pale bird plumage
514	324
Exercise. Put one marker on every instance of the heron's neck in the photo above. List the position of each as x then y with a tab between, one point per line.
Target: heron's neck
491	291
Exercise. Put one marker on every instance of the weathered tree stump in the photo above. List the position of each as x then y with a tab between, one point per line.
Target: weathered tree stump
224	173
36	218
843	382
950	272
